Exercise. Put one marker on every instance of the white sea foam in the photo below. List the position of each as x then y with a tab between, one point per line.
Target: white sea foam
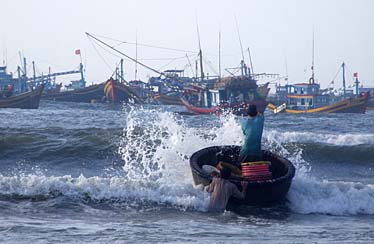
98	188
155	149
336	198
313	137
157	153
307	194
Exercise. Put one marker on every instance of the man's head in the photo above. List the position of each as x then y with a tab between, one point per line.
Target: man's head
252	110
225	173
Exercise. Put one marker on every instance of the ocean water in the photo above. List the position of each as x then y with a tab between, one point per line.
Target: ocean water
94	173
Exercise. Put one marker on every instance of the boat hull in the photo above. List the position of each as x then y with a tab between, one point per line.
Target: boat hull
168	100
264	193
84	95
237	109
96	93
27	100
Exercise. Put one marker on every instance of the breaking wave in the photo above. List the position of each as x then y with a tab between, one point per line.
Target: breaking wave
323	138
155	148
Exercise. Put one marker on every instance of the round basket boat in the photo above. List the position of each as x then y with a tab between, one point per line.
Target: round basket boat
262	192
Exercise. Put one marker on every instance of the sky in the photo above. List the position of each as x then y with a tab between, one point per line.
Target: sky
278	33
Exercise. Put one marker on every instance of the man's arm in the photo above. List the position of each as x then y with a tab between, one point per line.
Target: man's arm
239	194
210	188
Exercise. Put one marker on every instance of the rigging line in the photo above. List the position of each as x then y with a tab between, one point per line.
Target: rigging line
85	62
200	51
115	70
286	66
136	54
207	62
349	70
250	60
132	59
240	40
101	56
189	62
233	73
47	63
219	53
336	75
107	51
313	56
171	61
103	59
143	44
162	58
120	76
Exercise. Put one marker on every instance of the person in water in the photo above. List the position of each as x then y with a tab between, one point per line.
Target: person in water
221	189
252	127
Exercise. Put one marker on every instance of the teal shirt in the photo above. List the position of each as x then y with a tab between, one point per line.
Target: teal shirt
252	130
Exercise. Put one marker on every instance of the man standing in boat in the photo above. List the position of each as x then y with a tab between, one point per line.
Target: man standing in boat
252	127
221	189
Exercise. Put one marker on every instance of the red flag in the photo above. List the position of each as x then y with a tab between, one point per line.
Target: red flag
355	75
78	52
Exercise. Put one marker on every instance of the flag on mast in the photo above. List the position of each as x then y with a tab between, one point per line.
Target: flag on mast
78	52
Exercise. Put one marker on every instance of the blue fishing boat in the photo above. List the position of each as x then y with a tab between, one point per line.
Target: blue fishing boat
308	97
16	92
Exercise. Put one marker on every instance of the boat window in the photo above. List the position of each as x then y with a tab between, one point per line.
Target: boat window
302	101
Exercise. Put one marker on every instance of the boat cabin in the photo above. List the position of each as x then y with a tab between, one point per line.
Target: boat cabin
17	85
304	96
230	90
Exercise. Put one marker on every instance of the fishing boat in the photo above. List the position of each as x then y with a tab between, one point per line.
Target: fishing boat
168	88
259	192
309	98
25	100
348	105
232	94
16	92
111	90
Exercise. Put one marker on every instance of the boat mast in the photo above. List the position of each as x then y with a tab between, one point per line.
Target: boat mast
24	67
286	66
250	61
243	67
343	71
189	62
83	81
122	79
219	53
33	72
200	53
5	57
311	80
196	68
356	83
49	75
136	53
